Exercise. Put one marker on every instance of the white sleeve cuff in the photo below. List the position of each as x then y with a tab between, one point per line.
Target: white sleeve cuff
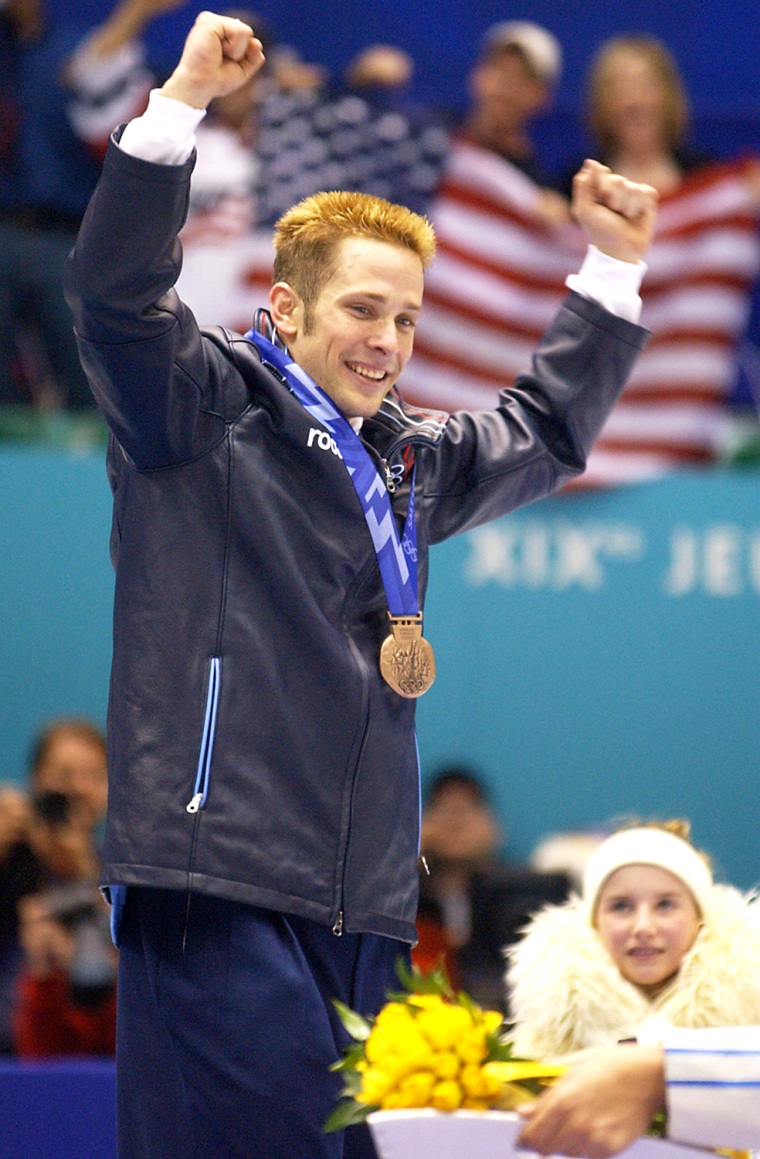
165	133
613	284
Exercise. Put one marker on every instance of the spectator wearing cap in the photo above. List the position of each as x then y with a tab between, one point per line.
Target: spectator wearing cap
505	240
513	80
652	943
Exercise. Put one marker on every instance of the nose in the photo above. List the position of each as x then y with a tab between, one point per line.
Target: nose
384	335
643	919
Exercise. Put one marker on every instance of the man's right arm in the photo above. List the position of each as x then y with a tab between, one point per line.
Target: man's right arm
140	346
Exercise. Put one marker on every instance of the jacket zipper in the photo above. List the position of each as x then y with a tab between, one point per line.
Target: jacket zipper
391	485
200	791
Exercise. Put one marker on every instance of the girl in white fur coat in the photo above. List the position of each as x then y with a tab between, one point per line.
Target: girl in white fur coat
651	941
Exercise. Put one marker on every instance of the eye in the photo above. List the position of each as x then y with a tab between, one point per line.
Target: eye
618	905
406	323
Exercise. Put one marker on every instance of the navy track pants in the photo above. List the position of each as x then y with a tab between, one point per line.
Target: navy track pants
226	1028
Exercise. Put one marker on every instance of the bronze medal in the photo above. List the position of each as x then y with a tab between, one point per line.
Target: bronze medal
407	662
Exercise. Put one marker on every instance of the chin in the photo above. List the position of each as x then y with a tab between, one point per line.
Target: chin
368	406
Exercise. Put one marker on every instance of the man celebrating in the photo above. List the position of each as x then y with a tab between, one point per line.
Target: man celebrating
274	501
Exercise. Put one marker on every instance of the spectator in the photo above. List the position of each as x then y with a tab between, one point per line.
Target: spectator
499	274
66	989
19	875
472	901
48	840
512	82
504	243
702	265
48	171
651	942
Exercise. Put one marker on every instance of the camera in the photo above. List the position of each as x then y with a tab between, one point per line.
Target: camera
52	806
80	909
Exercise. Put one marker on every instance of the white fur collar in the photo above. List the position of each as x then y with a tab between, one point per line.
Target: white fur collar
565	993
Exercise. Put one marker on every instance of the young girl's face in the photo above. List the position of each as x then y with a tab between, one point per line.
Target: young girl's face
647	920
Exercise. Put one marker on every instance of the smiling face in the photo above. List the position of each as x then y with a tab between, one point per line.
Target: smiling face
356	338
647	920
507	93
636	100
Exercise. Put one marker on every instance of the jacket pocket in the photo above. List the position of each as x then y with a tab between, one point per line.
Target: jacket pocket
200	791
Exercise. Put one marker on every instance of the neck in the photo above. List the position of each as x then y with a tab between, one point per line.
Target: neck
512	140
649	165
654	991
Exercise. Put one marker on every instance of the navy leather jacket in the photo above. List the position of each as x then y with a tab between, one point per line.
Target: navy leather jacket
255	752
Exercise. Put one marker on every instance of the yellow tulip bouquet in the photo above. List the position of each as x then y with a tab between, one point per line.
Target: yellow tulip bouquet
430	1047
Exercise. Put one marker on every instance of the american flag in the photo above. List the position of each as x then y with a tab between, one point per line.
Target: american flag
500	275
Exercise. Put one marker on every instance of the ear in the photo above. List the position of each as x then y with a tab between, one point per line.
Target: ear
286	308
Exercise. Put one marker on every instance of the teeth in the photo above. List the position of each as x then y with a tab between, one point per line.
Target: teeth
373	375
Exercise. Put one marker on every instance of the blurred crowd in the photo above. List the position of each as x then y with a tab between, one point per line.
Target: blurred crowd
507	240
599	933
57	962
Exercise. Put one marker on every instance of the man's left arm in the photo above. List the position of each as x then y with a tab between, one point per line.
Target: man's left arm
618	217
542	430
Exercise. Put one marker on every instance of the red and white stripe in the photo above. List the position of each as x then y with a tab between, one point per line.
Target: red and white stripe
225	279
500	275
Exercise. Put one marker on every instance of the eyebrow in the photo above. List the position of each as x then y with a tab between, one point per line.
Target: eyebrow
629	897
374	297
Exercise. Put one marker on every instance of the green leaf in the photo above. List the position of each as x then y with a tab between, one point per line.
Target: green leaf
347	1114
353	1054
470	1006
358	1027
499	1049
352	1083
659	1125
415	981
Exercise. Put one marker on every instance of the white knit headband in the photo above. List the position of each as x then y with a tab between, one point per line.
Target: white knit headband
647	846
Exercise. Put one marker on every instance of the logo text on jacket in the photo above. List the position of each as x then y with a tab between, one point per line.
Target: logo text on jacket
324	441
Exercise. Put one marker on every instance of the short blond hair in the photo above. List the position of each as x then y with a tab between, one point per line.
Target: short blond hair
307	236
654	52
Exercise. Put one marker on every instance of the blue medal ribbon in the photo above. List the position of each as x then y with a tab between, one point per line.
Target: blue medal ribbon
396	558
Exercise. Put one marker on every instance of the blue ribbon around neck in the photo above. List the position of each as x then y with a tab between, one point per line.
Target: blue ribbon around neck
396	558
